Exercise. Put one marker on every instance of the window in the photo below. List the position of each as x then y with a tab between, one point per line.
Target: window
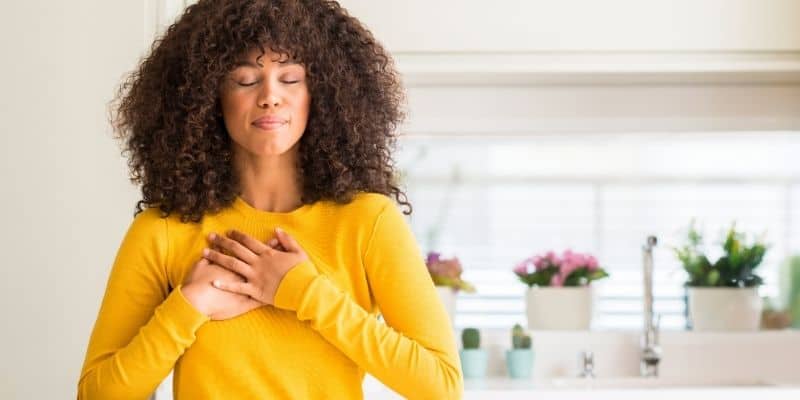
494	201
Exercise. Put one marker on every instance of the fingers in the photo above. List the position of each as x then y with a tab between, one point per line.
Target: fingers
235	248
248	241
228	262
275	244
235	287
287	241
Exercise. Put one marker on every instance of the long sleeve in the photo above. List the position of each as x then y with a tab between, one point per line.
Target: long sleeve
414	352
141	329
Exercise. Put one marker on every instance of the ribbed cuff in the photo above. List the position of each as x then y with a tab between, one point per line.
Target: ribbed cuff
182	312
293	286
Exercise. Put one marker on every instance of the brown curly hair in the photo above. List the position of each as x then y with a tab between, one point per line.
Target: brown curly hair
168	111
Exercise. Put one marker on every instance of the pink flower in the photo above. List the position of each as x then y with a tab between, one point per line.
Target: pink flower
539	262
571	263
450	268
433	257
521	268
565	264
591	263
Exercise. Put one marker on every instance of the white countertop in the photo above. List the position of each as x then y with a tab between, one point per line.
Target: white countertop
633	388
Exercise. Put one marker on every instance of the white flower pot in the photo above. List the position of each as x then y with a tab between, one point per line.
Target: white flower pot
559	308
448	296
725	309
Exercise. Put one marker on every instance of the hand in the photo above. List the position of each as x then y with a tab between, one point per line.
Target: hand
215	303
263	266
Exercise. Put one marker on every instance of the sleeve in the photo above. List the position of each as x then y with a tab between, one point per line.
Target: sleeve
141	329
414	352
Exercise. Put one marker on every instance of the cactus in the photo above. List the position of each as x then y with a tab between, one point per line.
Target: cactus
471	338
519	339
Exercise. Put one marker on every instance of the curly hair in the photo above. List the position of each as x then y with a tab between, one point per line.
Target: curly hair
168	114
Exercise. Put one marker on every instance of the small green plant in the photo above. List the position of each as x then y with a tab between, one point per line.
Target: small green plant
471	338
520	339
735	268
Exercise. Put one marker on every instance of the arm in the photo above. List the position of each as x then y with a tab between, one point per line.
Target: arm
414	353
141	330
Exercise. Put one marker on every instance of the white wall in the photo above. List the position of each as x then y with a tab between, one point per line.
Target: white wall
581	25
545	66
66	199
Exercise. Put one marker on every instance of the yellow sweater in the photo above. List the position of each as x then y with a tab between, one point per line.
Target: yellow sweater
315	343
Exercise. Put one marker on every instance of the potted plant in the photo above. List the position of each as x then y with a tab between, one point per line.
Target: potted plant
723	295
473	358
790	288
446	275
559	294
519	359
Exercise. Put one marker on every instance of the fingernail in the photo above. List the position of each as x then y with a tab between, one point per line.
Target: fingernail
205	251
212	236
279	230
216	283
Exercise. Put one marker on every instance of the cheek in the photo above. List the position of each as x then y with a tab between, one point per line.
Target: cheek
305	105
233	109
231	103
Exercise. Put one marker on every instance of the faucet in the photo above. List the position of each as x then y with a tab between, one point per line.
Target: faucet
651	351
587	365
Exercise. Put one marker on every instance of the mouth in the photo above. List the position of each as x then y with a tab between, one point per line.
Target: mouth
269	125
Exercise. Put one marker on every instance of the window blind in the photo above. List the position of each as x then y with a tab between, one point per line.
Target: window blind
493	201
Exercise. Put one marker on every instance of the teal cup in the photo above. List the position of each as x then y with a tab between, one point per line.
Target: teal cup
474	363
519	363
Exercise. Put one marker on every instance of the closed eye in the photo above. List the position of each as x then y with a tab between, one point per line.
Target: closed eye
253	83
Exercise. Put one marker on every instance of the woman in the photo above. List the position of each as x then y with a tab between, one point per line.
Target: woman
266	241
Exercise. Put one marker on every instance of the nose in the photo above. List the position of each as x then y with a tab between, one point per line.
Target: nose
269	97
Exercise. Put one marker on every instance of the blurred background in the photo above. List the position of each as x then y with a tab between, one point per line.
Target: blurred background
532	126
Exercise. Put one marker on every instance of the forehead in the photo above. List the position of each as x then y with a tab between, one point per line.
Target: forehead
256	58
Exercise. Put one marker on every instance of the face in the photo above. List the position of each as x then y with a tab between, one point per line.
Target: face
265	104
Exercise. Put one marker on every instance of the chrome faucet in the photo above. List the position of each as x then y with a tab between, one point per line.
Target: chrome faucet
587	365
651	351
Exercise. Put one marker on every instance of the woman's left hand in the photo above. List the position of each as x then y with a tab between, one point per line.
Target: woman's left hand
262	265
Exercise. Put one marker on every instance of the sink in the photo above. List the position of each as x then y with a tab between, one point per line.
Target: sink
652	383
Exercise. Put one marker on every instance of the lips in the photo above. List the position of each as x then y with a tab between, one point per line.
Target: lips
270	122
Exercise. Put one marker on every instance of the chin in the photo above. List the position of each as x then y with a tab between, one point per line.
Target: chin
268	147
273	149
270	152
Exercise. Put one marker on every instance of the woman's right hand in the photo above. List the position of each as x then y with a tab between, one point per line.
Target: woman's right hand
217	304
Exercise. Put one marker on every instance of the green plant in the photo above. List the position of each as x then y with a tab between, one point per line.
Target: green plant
735	268
520	339
790	288
471	338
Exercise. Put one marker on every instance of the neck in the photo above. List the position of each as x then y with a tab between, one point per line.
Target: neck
269	183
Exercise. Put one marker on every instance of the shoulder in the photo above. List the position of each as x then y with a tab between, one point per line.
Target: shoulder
365	209
371	203
150	223
368	207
